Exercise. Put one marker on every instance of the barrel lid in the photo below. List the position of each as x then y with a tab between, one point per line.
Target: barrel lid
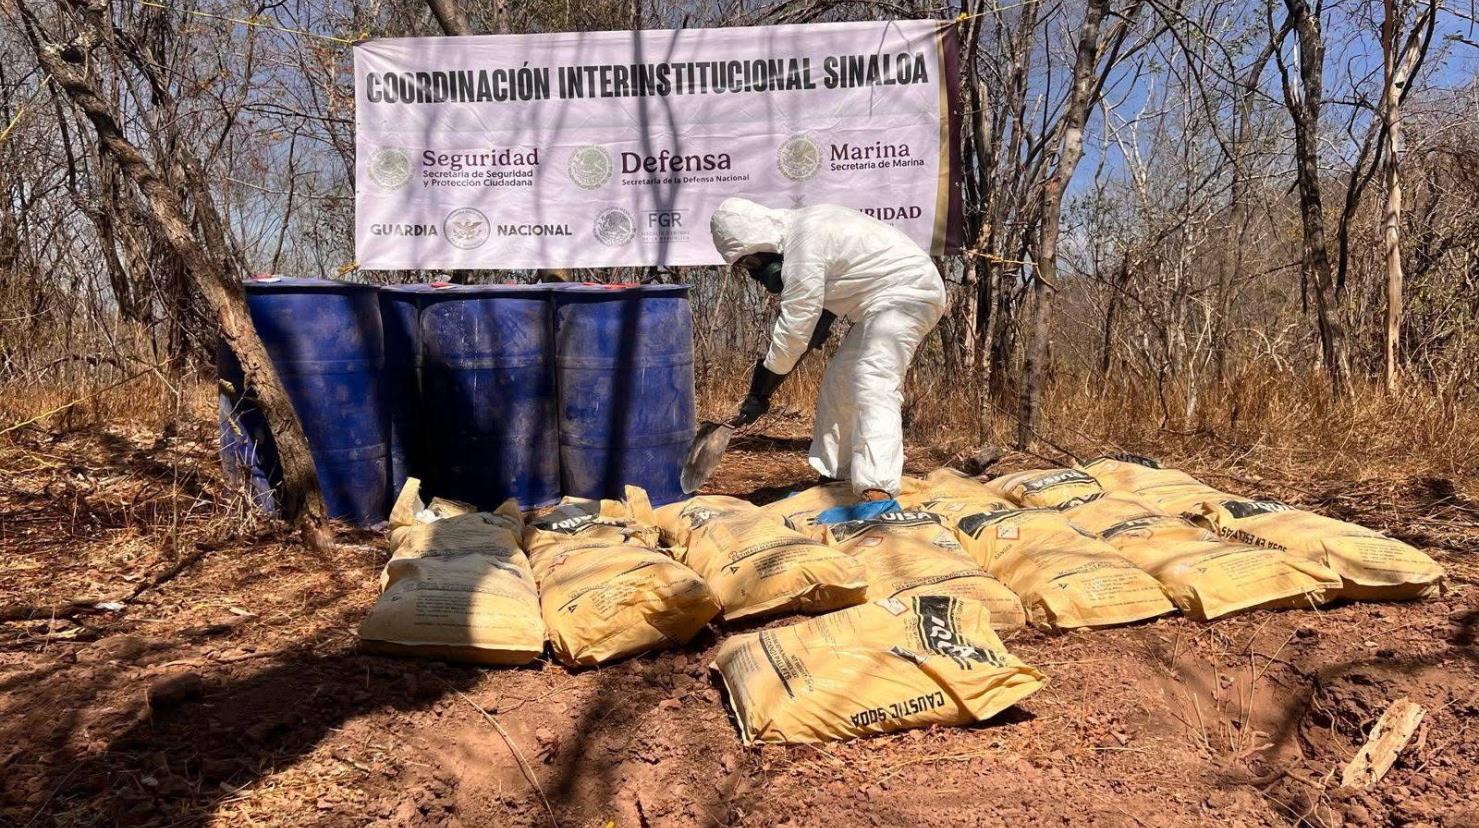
301	284
449	289
590	291
405	288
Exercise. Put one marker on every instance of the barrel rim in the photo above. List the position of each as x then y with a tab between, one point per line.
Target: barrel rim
463	291
304	284
607	293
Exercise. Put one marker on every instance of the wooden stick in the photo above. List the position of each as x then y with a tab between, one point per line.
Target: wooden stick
1388	737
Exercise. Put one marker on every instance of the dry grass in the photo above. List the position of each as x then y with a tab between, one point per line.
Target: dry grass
1259	426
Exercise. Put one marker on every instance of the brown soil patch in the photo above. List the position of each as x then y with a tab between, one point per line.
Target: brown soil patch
232	693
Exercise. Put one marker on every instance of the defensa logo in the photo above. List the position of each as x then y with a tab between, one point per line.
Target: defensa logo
668	161
798	158
590	167
390	168
466	228
614	227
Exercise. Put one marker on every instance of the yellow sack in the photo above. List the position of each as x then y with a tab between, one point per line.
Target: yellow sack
1206	577
943	484
876	668
1046	488
800	510
1173	490
951	508
903	558
615	521
1067	578
754	563
604	591
916	525
1371	566
456	588
415	529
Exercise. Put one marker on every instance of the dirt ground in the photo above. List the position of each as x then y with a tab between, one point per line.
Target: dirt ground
209	674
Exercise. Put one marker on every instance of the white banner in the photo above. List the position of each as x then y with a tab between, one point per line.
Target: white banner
603	149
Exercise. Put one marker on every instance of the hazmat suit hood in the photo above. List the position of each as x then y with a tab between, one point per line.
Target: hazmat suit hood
741	227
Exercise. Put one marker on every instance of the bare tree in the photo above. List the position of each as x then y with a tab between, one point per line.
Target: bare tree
1304	97
212	272
1086	89
1398	67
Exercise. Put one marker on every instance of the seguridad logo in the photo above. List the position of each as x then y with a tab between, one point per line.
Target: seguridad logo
390	168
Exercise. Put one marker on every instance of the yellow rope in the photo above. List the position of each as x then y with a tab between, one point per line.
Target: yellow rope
259	23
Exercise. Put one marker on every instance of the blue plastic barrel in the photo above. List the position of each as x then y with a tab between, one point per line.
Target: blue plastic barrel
400	315
488	394
325	340
624	363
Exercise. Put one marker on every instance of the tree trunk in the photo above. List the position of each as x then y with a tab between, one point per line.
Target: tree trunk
1392	217
302	501
1045	258
450	16
1304	109
1399	68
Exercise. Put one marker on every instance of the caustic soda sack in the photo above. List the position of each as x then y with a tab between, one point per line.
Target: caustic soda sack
1067	578
1206	577
754	563
874	668
909	554
456	588
944	484
605	592
416	530
800	510
1371	566
1046	488
1172	490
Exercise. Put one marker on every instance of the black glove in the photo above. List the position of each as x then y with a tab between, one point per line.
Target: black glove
763	383
822	331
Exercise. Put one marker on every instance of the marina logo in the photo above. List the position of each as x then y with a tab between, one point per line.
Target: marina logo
390	168
798	158
590	167
466	228
614	227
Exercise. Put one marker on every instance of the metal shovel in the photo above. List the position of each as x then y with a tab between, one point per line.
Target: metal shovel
704	454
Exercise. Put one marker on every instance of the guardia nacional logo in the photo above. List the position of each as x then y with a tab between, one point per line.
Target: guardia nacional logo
466	228
799	158
614	227
590	167
390	168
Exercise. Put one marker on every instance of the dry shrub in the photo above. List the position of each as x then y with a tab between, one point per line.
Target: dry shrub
146	401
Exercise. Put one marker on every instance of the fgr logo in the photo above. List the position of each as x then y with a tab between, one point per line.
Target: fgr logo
590	167
664	219
798	158
614	227
390	168
466	227
663	226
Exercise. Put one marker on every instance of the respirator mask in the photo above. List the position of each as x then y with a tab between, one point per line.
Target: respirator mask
765	268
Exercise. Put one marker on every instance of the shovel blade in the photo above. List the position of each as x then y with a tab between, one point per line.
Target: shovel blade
704	454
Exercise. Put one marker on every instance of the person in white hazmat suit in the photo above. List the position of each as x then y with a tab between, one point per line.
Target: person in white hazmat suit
825	262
